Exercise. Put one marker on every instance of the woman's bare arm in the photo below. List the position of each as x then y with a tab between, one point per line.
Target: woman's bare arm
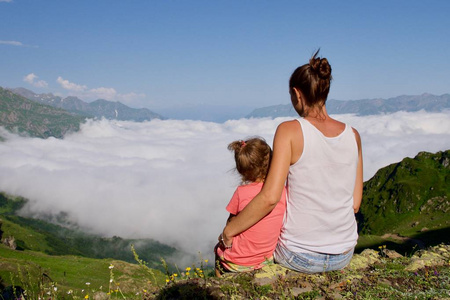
358	191
273	186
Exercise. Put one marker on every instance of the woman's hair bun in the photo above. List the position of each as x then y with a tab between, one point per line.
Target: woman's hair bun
320	66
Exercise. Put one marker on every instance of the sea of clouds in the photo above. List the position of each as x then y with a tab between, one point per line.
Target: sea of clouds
170	180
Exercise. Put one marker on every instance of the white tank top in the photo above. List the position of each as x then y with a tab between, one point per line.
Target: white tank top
319	215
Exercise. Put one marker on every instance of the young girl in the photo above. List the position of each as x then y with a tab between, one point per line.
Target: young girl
253	248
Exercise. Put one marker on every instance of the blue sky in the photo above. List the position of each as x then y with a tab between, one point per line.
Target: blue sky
162	54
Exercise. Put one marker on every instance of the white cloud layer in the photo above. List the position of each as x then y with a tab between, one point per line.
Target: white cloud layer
31	79
171	180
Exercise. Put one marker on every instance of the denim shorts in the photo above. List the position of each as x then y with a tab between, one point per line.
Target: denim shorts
311	262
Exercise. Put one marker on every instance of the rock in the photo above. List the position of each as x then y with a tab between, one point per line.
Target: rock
269	274
295	291
365	259
436	256
10	242
100	296
391	253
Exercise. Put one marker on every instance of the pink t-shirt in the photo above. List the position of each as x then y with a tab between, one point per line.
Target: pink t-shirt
257	243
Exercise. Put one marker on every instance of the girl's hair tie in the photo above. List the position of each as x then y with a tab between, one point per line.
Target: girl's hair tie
242	144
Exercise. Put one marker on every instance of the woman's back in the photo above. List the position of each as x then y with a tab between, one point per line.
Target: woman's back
319	214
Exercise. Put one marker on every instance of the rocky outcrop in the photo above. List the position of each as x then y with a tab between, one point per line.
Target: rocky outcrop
439	256
10	242
370	274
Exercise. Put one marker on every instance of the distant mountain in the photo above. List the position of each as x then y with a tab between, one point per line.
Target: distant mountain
427	102
99	108
409	198
35	119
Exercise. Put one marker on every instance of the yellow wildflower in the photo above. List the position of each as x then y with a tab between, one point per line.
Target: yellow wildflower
188	269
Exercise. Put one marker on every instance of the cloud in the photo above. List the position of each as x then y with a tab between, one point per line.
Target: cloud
103	93
130	97
16	43
31	79
171	180
11	43
5	0
65	84
106	93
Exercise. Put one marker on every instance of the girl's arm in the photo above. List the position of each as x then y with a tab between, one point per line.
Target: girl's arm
270	194
358	191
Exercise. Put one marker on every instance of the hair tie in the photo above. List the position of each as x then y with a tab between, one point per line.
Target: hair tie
242	144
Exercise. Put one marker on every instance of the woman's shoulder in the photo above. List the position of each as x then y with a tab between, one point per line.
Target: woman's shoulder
289	125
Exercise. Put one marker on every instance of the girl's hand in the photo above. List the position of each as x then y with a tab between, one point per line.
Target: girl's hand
225	242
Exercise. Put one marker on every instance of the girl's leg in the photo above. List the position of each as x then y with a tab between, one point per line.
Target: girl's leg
217	262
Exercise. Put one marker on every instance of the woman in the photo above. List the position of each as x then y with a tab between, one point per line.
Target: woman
322	161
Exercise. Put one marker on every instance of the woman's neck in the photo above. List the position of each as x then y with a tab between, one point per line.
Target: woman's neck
317	113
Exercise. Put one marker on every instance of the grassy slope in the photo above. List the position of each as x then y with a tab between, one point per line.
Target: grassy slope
405	205
409	196
17	112
42	236
27	268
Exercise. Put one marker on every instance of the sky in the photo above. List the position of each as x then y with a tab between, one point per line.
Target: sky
171	180
170	55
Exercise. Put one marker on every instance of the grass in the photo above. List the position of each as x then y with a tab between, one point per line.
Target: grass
72	273
74	277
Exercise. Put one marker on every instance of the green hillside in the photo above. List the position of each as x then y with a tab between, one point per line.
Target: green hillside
56	262
38	235
410	198
76	275
20	114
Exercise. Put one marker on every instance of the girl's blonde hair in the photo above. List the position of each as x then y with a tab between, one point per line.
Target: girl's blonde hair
252	158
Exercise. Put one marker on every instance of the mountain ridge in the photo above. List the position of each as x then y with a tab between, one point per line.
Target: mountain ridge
409	198
364	107
25	116
99	108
